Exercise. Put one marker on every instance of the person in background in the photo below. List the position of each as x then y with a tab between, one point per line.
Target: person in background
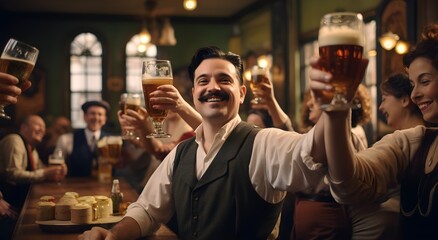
260	115
234	175
315	212
306	123
260	118
60	125
156	149
397	106
20	164
9	93
406	157
270	104
80	147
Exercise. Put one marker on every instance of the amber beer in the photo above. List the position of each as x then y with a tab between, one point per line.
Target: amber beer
133	104
150	85
257	77
19	68
122	102
341	52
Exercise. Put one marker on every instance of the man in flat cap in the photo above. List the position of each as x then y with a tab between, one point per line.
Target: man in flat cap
79	147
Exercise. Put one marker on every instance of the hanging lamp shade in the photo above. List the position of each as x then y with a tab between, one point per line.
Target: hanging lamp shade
167	34
388	40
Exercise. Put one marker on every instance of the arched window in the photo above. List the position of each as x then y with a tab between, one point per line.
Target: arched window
85	74
136	53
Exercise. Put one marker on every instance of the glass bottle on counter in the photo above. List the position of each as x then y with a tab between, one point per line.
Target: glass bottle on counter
116	196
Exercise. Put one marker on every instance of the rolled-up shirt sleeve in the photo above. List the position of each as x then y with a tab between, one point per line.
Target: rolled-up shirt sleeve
378	168
281	161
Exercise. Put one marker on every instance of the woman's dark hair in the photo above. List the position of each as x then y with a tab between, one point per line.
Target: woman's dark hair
427	47
397	85
215	52
264	115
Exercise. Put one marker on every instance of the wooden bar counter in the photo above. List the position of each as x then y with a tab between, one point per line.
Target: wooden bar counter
26	227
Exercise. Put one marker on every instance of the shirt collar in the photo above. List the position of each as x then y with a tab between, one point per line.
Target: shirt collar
223	133
89	134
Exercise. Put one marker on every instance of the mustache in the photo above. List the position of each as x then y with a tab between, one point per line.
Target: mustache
219	94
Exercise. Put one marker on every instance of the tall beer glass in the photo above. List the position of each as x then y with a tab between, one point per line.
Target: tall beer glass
341	42
17	59
156	73
258	76
133	102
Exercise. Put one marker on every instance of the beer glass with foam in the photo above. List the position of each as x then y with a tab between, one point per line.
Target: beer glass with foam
156	73
133	102
341	41
258	76
17	59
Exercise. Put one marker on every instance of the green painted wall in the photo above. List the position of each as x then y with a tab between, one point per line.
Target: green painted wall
255	31
53	34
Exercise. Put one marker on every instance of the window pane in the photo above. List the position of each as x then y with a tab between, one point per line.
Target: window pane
94	83
94	65
77	83
86	74
76	64
134	61
77	118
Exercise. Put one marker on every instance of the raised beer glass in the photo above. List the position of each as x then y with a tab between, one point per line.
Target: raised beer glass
133	102
17	59
156	73
341	41
258	76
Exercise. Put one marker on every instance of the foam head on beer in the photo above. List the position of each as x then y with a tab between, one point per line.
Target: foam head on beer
136	101
333	34
110	147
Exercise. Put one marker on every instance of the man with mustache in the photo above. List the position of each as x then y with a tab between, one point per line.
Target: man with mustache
229	181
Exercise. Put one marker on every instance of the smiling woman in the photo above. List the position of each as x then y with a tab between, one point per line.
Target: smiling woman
397	106
406	157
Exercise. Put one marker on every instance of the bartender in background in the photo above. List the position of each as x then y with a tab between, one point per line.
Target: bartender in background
79	147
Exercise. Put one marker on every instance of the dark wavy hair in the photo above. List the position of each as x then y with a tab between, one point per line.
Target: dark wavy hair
427	47
399	86
264	115
215	52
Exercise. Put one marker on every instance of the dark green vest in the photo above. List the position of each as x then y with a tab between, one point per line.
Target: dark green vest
223	203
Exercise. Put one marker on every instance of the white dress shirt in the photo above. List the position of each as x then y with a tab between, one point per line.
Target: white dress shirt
65	141
280	162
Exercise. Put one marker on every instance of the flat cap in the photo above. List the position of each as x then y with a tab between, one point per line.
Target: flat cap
101	103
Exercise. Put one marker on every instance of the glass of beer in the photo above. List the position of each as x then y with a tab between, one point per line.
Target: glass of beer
17	59
122	102
341	41
258	76
56	158
133	102
156	73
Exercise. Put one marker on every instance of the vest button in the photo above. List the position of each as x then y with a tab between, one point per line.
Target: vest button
196	199
195	217
195	234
